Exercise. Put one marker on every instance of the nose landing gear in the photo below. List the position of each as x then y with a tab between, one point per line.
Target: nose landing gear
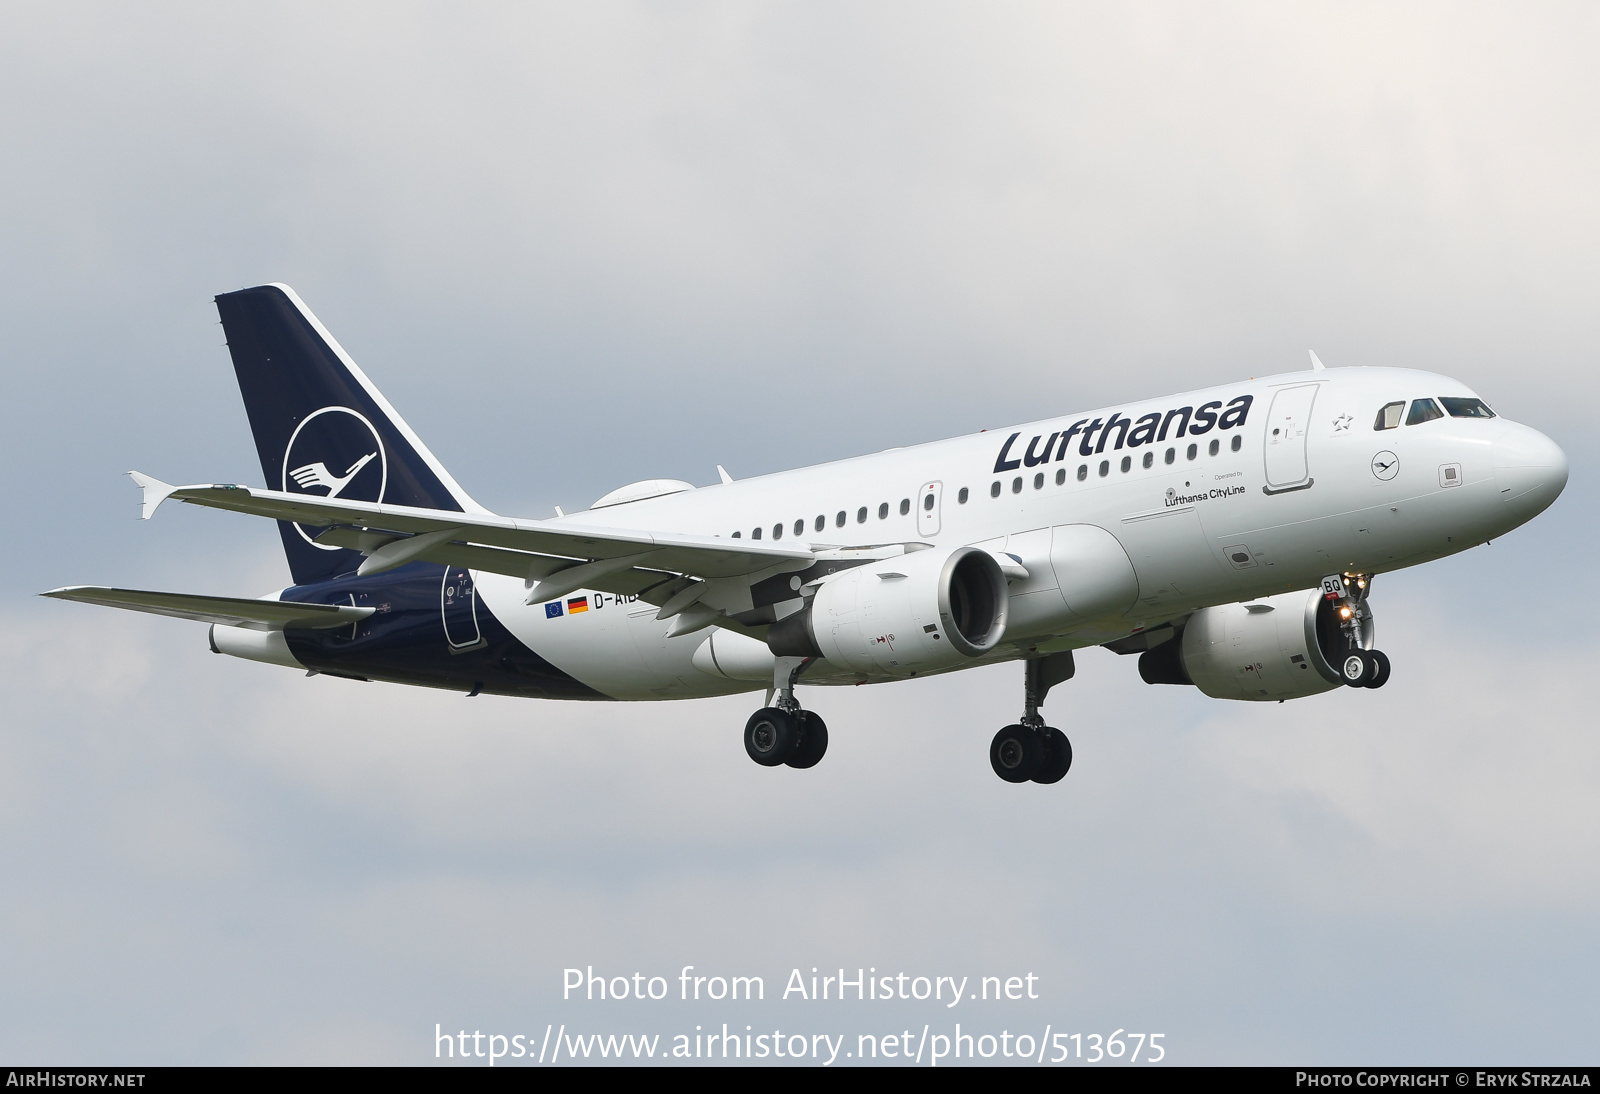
1359	667
1031	751
1365	668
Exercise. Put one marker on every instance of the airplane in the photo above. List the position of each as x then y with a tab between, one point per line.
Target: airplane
1228	537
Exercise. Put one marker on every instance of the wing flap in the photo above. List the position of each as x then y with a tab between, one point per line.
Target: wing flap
257	615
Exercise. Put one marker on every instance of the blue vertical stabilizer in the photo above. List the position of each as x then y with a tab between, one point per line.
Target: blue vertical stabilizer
320	425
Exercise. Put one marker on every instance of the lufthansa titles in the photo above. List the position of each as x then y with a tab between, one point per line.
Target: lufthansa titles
1093	436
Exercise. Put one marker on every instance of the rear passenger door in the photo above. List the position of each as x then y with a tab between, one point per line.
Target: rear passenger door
458	607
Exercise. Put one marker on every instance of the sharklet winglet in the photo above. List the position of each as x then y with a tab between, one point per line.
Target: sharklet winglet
155	492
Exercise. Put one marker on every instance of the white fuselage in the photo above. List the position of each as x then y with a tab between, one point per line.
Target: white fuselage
1325	493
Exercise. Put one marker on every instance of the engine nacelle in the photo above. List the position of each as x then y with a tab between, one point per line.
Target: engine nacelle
1279	647
918	612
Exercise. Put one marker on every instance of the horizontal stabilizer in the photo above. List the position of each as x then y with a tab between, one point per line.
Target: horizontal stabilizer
229	611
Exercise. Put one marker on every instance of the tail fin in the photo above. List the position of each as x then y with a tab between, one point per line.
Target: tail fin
320	425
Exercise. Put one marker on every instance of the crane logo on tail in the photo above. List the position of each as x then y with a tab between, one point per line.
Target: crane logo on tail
317	474
335	452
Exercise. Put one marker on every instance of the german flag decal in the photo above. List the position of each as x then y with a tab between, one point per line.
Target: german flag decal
577	604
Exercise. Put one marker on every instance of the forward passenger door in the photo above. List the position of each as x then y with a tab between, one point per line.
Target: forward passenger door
1285	446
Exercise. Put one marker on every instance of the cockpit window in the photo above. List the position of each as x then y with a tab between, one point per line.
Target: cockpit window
1389	416
1423	410
1466	408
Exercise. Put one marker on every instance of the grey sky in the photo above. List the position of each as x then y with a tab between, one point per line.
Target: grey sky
587	244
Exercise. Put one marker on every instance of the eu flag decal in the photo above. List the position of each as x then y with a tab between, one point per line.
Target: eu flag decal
552	610
577	604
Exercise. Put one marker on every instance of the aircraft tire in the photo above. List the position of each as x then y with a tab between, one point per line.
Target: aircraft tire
1057	760
1380	668
1016	753
813	741
770	736
1356	668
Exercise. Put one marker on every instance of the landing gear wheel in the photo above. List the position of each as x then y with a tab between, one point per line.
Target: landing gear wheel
770	736
813	740
1016	753
1357	668
1057	760
1380	668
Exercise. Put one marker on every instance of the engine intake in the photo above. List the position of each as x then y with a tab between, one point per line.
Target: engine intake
918	612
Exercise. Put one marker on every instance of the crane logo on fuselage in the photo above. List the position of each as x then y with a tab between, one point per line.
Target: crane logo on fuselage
335	452
1151	428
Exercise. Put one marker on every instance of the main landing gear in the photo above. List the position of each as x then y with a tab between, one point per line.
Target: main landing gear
783	734
1358	667
1031	751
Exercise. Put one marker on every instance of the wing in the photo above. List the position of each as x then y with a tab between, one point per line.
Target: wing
704	556
256	615
552	556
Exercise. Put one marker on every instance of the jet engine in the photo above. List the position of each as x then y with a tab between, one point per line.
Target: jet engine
1279	647
920	612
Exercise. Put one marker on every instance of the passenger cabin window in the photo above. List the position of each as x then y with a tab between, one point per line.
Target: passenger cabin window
777	531
1216	446
755	533
905	506
1105	468
736	535
1172	454
961	498
861	515
883	511
1194	450
1127	462
1238	442
1038	481
1466	408
838	521
1423	410
1389	416
800	526
1061	475
1083	471
1016	485
994	489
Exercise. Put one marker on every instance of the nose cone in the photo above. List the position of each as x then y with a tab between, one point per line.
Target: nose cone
1530	470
